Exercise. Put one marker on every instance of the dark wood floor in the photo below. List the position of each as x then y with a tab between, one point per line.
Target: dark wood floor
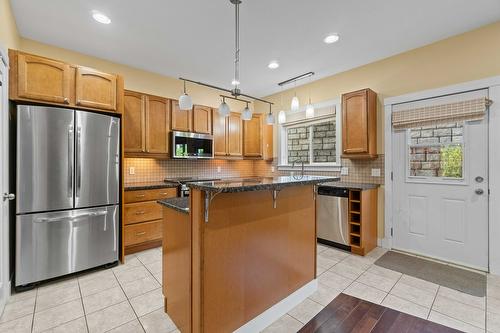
350	314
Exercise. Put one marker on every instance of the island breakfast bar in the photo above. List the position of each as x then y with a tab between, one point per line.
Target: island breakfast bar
239	253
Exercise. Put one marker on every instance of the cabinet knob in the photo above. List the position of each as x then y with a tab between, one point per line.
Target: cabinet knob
66	100
78	102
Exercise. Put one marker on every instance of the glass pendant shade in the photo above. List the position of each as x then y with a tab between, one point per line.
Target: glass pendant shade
309	111
246	114
224	109
281	117
270	119
295	103
185	102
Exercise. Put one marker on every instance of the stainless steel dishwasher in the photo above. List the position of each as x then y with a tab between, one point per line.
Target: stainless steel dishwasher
332	216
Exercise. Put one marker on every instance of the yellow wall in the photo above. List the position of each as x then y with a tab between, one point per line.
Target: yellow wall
9	37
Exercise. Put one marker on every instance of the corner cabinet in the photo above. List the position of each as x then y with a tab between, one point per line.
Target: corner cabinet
228	135
38	79
146	125
359	124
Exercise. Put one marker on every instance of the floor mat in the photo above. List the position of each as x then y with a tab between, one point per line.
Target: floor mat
452	277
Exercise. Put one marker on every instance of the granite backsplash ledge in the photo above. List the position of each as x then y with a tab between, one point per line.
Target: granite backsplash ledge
150	170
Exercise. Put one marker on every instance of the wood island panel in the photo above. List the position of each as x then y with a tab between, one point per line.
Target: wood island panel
249	256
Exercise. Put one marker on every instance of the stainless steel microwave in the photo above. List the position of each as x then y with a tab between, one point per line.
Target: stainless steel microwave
192	145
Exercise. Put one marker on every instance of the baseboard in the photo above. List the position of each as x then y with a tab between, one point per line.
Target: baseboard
278	310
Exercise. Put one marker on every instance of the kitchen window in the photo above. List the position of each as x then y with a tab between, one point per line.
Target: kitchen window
314	142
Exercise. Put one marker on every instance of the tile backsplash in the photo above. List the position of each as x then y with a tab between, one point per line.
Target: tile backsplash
147	170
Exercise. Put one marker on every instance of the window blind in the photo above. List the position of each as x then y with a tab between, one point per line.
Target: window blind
473	109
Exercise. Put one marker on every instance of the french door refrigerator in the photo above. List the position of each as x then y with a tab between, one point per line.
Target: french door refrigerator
67	179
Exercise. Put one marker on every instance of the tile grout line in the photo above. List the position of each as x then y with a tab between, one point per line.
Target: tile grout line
83	306
389	292
128	300
34	309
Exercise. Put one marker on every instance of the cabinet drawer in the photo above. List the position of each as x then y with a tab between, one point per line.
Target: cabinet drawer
148	195
142	211
143	232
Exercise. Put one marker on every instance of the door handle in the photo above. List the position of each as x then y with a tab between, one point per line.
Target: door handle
70	161
9	196
78	161
479	191
479	179
72	218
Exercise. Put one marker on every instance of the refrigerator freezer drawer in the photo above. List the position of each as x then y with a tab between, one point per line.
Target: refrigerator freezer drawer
49	245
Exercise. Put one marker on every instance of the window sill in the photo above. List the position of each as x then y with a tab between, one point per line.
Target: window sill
328	168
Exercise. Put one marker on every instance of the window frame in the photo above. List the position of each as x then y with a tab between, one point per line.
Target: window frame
311	166
438	180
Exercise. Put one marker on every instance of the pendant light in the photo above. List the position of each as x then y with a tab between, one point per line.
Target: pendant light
246	114
295	100
309	110
185	101
281	114
309	107
224	108
270	116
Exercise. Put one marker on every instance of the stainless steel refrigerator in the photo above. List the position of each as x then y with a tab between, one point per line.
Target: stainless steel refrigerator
67	179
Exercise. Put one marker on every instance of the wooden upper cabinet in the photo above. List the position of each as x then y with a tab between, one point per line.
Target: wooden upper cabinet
220	138
43	79
252	136
202	119
157	124
359	124
234	134
146	125
268	141
95	89
134	122
181	119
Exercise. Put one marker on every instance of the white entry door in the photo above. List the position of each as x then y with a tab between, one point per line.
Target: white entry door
4	187
440	185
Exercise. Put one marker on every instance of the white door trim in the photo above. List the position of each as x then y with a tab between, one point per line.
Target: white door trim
4	146
493	85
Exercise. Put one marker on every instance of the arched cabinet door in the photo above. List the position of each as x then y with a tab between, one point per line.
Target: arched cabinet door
95	89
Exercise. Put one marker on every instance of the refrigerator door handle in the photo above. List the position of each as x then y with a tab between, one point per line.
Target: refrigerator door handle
70	160
78	161
71	218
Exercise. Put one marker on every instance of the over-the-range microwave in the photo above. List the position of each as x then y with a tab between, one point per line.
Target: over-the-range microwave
192	145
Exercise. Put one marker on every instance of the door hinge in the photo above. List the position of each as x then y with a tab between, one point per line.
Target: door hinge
392	175
489	191
392	232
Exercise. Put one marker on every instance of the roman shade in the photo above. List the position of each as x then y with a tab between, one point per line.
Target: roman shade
473	109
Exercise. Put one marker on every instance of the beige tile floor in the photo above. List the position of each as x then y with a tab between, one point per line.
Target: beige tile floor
128	298
339	271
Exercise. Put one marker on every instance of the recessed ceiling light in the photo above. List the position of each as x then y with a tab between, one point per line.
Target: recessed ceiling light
273	64
100	17
331	38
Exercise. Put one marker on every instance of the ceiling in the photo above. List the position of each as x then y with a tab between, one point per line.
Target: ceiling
195	39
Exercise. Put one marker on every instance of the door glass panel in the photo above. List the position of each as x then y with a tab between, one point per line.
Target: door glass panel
436	152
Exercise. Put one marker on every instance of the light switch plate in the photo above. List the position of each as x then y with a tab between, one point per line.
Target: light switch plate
376	172
344	171
131	171
219	169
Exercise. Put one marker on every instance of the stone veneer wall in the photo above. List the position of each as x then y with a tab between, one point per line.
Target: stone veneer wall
323	141
426	160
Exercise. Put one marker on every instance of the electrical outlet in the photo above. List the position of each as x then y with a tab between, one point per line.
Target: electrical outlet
376	172
131	171
219	169
272	169
344	171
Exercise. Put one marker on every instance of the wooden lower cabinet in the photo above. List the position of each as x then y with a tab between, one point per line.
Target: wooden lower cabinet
143	218
363	220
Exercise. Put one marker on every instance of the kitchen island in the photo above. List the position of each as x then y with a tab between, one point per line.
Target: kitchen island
240	253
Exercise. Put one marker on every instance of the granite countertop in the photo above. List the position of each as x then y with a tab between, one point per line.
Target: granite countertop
350	185
258	183
148	185
180	204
